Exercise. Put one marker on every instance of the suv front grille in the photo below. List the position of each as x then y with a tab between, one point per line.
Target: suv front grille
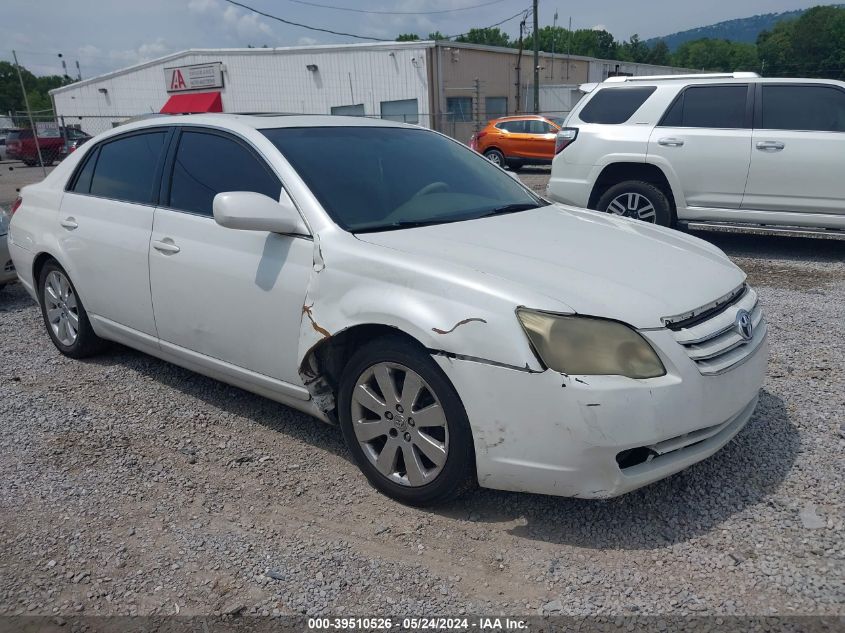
715	343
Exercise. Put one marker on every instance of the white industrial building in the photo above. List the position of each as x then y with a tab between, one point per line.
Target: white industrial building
443	85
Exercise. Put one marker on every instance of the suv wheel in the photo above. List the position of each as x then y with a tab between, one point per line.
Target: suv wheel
405	424
495	156
638	200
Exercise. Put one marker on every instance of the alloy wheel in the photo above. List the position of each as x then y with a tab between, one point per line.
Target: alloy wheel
62	308
633	205
494	158
400	424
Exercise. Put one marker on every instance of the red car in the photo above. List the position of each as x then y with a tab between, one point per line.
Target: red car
20	145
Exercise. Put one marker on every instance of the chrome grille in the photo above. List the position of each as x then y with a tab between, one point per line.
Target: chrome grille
715	343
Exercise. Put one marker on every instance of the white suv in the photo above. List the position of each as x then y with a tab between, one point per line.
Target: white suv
731	150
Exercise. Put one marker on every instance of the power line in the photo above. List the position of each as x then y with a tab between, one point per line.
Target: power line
514	16
305	26
360	37
328	6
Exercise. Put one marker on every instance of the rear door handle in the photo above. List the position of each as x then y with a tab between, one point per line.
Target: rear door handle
69	223
770	146
166	246
671	142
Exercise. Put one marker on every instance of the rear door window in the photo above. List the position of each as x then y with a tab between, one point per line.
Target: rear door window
83	178
803	108
722	107
127	167
536	126
207	164
516	127
615	105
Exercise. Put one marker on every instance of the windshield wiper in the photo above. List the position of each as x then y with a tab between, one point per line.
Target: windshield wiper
406	224
511	208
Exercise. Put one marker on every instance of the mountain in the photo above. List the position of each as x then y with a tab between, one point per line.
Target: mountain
740	30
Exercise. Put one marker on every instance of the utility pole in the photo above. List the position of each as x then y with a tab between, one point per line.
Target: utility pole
519	67
29	115
78	71
568	48
554	37
536	59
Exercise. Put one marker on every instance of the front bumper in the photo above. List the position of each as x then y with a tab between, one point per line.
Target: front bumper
555	434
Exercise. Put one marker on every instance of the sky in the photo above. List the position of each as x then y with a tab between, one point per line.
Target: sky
106	35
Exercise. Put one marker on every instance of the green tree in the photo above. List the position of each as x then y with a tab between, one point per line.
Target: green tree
407	37
437	35
659	54
634	50
37	88
716	55
811	46
490	37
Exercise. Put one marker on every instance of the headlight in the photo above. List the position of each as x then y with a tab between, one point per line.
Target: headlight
5	217
590	346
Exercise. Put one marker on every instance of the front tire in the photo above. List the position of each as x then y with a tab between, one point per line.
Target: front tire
405	424
64	315
638	200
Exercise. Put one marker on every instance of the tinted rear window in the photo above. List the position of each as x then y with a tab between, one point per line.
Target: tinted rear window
517	127
615	105
709	106
803	108
126	168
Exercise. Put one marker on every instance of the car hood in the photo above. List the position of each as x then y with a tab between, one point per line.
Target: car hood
596	264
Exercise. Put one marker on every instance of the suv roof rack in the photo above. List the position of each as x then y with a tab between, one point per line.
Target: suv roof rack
737	75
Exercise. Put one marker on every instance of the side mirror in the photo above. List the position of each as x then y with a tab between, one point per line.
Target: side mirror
250	211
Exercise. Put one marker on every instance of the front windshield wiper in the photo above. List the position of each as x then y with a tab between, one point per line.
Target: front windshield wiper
512	208
406	224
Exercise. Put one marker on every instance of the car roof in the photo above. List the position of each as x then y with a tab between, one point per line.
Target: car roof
519	117
686	80
265	121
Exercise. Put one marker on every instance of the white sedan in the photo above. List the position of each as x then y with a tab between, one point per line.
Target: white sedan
457	327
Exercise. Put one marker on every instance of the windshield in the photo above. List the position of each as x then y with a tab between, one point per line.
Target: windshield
381	178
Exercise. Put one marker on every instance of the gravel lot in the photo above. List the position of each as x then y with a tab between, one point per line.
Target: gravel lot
130	486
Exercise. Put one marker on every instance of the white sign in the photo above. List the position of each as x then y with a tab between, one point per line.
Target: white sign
47	129
194	77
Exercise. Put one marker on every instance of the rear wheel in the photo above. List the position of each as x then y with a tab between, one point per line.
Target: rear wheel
64	315
495	156
405	424
638	200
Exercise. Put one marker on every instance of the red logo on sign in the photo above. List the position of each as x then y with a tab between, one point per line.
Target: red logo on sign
177	82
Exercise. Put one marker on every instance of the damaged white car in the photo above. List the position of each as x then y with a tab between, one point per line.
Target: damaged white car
459	328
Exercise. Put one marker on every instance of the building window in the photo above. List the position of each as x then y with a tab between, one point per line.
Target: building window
496	107
459	108
403	111
349	110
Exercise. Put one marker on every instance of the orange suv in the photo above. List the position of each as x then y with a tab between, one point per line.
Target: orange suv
527	139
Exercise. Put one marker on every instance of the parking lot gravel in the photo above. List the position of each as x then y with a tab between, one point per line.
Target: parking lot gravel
131	486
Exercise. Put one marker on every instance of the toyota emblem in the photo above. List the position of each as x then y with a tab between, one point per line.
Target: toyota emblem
744	325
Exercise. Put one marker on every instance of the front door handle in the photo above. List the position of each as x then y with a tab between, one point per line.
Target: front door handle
671	142
69	223
770	146
166	246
